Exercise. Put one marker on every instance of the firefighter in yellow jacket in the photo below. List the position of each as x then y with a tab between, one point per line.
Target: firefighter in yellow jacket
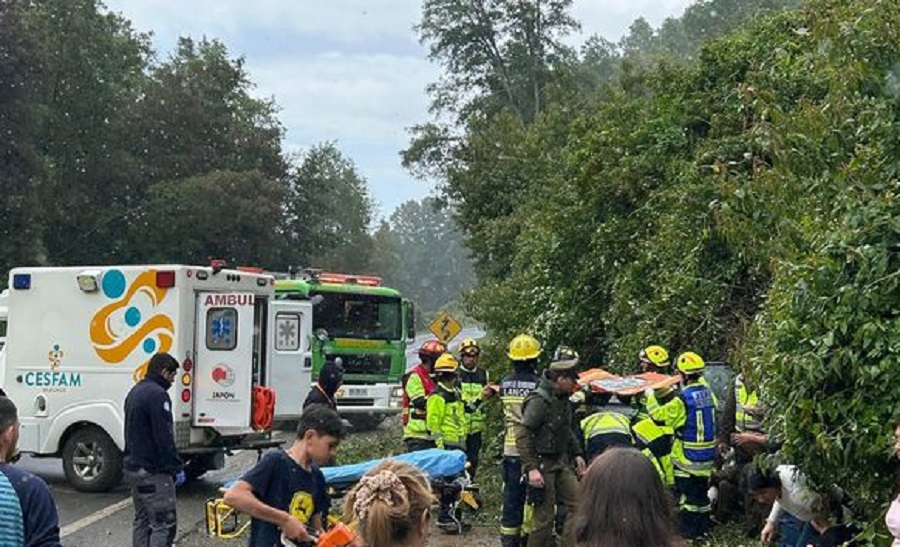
446	422
417	386
475	389
692	415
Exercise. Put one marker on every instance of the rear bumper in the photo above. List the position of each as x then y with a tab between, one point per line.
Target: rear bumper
255	444
369	399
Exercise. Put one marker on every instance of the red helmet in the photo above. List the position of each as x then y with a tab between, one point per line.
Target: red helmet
432	349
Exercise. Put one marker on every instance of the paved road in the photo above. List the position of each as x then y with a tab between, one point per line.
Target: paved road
104	520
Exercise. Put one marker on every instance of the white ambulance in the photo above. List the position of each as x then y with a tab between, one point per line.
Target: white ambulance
78	338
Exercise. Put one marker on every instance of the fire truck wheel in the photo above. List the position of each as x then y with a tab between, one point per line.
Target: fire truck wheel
365	422
91	460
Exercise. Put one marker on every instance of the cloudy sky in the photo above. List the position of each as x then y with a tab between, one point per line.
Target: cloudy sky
350	71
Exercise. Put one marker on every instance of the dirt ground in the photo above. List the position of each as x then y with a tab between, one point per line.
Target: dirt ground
478	536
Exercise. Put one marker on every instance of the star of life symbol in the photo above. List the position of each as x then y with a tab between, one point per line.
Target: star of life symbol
221	329
287	334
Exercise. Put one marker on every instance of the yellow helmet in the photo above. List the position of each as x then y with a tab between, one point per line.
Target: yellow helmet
690	363
656	355
524	347
446	363
469	346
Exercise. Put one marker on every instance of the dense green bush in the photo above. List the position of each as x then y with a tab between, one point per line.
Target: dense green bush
744	206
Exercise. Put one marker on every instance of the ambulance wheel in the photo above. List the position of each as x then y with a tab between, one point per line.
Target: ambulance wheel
91	460
196	468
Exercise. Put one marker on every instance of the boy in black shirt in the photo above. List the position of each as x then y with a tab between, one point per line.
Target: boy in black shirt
285	492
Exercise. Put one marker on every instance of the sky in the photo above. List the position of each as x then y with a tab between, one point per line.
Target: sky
348	71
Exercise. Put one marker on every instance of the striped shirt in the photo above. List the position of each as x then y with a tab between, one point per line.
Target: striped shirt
27	512
12	529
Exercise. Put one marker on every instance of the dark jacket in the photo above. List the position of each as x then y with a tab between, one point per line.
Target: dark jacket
149	433
547	419
322	393
317	396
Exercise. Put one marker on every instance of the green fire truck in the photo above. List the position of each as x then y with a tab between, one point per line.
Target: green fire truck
366	328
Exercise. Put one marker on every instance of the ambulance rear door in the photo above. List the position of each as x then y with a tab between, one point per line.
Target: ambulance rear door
290	361
224	367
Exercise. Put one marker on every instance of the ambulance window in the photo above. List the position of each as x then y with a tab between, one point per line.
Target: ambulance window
2	327
287	332
221	329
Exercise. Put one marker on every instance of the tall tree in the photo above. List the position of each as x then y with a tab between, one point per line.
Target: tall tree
497	54
386	262
434	267
88	73
21	167
196	114
195	117
220	214
329	211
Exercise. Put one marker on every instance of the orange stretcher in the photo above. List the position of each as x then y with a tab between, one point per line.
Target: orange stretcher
603	381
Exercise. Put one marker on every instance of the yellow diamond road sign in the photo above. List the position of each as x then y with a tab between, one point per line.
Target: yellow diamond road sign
445	327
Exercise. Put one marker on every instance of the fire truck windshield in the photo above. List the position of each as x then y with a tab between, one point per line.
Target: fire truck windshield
364	316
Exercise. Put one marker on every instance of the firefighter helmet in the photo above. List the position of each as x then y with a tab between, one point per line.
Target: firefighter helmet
432	349
469	346
446	363
690	363
524	347
656	355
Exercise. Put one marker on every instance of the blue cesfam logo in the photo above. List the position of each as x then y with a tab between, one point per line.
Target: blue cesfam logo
53	379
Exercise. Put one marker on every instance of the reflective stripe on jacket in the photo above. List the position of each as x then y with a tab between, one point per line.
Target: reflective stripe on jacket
692	416
418	387
656	444
446	421
744	399
471	383
513	390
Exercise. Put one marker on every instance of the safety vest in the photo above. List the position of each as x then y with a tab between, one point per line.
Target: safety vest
694	449
513	390
418	384
605	423
660	398
605	429
744	399
471	383
446	420
655	443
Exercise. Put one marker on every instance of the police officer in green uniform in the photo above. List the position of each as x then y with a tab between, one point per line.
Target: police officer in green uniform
549	449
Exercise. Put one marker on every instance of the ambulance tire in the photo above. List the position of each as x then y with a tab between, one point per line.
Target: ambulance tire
196	468
104	468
